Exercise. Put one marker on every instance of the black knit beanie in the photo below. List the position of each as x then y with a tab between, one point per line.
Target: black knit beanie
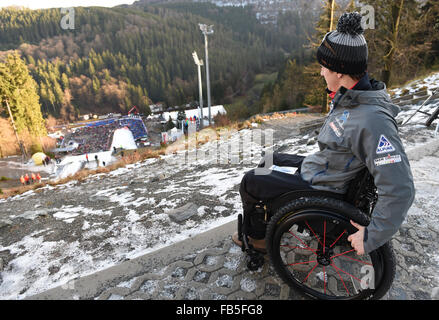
345	50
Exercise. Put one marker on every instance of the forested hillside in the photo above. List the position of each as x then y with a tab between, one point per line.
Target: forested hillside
404	44
119	57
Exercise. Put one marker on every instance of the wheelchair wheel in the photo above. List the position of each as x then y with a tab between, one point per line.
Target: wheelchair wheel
308	248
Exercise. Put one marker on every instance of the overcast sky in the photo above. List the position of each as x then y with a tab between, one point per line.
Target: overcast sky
38	4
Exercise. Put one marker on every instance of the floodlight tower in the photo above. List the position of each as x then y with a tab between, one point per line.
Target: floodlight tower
206	30
199	63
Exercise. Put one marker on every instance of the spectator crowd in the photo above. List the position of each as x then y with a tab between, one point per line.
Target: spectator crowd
98	136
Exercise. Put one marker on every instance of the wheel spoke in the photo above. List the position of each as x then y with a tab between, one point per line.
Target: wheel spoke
337	239
346	273
340	254
344	285
291	247
302	242
363	262
305	262
312	231
310	272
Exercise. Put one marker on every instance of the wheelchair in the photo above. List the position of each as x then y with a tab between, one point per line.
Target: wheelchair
306	241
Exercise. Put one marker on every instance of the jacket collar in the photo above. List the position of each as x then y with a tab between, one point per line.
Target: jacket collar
363	84
366	91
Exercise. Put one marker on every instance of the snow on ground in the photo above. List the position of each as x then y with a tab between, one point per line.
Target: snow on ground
408	110
431	82
427	191
417	119
110	223
60	233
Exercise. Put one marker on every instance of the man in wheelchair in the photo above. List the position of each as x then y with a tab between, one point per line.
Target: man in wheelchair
360	133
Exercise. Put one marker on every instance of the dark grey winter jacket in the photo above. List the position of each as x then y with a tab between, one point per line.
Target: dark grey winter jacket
359	131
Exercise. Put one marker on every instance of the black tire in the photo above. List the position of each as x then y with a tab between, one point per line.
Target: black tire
316	228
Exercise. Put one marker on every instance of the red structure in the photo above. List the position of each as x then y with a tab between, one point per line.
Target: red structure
133	110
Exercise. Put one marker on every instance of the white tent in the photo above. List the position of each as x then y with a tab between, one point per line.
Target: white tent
123	138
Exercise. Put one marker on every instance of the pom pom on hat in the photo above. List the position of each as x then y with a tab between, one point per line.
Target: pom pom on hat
350	23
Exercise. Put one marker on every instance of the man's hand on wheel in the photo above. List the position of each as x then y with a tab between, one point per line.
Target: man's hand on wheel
356	239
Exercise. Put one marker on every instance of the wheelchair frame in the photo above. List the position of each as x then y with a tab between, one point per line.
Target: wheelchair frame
362	194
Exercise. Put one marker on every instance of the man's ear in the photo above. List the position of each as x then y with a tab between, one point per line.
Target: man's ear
340	75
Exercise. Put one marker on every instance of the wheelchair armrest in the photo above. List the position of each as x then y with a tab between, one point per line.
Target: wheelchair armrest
283	160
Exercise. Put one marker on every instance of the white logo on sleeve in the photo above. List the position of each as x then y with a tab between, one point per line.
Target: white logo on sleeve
387	160
384	146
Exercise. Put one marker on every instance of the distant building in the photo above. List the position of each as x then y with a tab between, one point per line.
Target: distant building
267	11
196	112
156	108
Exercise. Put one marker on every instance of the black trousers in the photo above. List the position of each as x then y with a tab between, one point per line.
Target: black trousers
256	188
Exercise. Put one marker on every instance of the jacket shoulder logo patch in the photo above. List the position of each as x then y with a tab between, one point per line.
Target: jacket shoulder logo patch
384	146
387	160
343	118
336	130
